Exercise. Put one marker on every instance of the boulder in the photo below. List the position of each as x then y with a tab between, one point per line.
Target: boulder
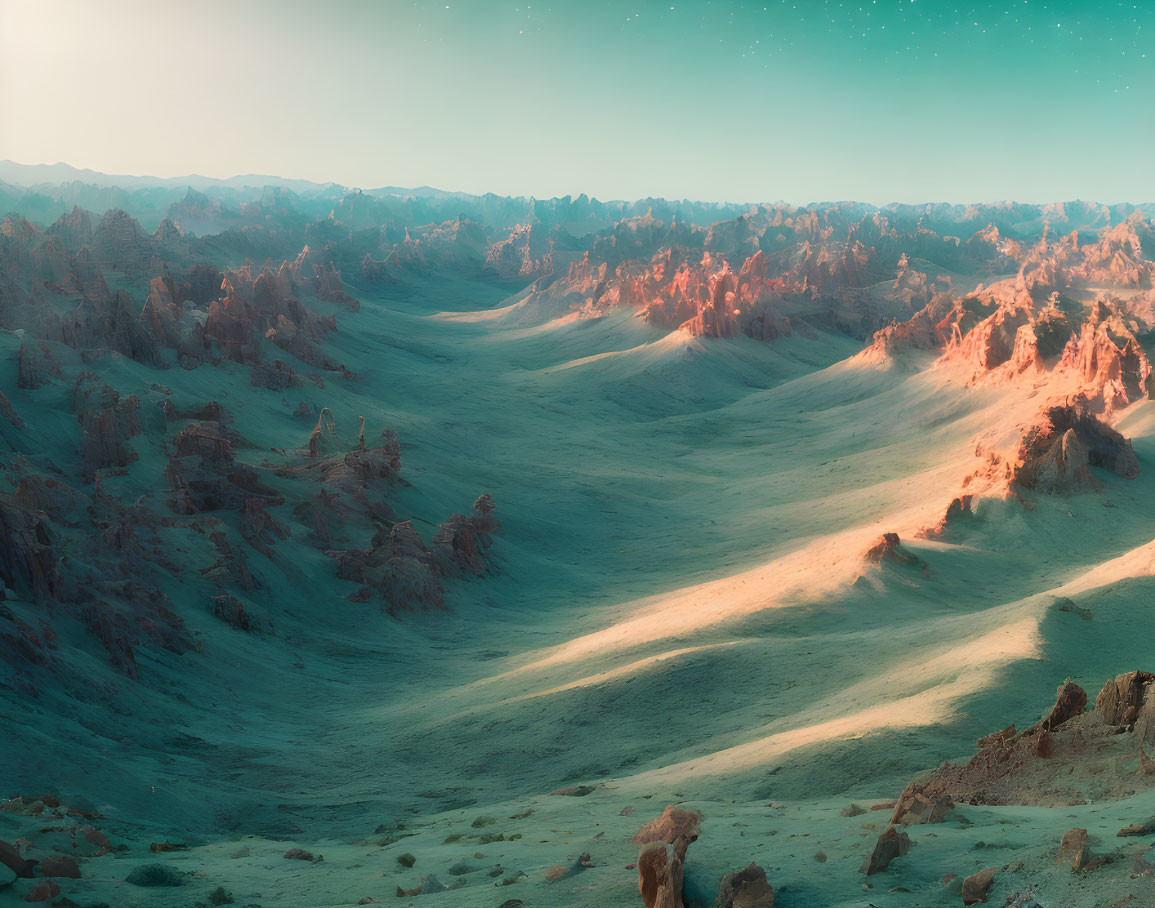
1145	828
887	547
660	876
890	845
1072	842
975	886
746	888
675	826
664	842
915	807
11	858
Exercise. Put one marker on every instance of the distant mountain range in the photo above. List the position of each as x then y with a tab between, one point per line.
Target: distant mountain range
41	174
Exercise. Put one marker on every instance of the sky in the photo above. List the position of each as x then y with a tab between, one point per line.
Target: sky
793	100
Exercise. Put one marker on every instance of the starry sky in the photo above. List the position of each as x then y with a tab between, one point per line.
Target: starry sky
795	100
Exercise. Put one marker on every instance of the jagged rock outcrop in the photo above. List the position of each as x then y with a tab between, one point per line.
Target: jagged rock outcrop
27	557
107	322
314	271
1129	701
120	243
107	423
74	228
1056	457
1062	759
888	548
914	807
457	245
231	610
398	565
204	475
664	842
526	253
36	364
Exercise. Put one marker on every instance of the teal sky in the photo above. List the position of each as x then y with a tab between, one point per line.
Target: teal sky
891	100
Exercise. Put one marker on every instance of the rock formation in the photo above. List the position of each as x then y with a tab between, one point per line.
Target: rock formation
1049	764
746	888
1056	457
664	842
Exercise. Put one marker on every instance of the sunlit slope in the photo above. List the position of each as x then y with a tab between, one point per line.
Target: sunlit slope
742	671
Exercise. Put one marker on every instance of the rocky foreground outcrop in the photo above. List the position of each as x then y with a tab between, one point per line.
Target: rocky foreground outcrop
661	861
1055	761
1071	756
664	843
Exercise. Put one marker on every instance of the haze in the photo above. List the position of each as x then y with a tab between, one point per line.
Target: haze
888	101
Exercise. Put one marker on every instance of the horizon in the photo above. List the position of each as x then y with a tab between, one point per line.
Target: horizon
176	181
886	102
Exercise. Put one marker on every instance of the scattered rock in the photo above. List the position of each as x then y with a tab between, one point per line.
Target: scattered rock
746	888
888	547
1085	860
890	845
11	858
664	842
1066	605
674	827
406	860
1147	828
576	867
915	807
1073	841
166	845
660	876
975	886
